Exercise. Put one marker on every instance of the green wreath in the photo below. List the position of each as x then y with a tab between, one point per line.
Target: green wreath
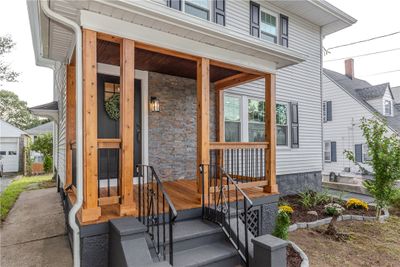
112	107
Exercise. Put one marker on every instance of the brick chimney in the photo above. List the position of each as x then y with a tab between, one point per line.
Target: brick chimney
349	68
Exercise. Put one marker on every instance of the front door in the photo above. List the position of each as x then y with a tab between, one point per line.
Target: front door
108	124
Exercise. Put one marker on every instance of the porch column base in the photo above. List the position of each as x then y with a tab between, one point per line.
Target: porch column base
90	214
126	210
273	189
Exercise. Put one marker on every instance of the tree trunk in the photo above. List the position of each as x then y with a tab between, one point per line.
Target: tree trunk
332	227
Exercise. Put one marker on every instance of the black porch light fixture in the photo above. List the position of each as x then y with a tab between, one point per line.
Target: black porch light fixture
154	104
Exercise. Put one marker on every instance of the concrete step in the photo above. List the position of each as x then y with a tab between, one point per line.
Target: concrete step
215	254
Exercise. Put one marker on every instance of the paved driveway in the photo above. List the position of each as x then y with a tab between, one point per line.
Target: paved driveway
34	231
6	181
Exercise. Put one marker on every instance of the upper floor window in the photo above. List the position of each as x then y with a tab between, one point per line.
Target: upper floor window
198	8
327	111
268	26
387	105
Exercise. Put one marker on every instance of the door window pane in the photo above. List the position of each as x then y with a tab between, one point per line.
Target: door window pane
232	119
256	111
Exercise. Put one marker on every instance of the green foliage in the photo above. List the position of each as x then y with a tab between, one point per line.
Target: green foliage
112	107
28	160
333	209
309	199
15	111
6	74
11	193
384	152
282	225
44	144
48	163
395	201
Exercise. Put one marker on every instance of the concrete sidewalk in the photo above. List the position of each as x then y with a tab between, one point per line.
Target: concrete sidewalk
34	231
347	195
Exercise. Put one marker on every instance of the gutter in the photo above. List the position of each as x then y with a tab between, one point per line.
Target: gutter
79	128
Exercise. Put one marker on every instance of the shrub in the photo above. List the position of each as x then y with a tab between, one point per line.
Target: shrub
354	203
286	208
282	225
395	201
47	163
333	209
310	199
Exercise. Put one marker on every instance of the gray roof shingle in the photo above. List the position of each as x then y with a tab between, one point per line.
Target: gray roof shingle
41	129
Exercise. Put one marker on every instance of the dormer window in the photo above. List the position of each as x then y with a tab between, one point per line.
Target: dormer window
387	107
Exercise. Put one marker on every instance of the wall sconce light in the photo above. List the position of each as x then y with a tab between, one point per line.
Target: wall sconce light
154	104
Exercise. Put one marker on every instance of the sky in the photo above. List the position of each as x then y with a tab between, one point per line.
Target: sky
375	18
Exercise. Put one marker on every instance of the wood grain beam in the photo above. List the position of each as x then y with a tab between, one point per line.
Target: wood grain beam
91	210
71	122
166	51
270	129
235	80
126	122
203	119
234	67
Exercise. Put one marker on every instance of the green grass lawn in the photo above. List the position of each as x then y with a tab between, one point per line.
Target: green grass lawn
12	192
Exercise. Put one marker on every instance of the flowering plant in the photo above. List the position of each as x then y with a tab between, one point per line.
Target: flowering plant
354	203
286	208
333	209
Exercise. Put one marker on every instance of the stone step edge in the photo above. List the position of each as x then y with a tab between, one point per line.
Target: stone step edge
304	259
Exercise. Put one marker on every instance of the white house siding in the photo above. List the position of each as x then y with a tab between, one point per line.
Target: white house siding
300	83
344	128
60	86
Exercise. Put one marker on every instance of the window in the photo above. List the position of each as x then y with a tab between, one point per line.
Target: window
387	104
3	153
282	129
327	151
256	114
198	8
12	153
110	89
365	155
232	118
268	26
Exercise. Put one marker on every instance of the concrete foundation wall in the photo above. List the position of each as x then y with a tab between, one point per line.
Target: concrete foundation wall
297	182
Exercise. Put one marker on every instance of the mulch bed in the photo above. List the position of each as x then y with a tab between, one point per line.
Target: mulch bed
300	212
293	258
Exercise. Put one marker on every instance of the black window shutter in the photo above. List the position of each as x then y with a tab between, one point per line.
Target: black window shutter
329	110
254	19
284	31
294	124
175	4
219	12
358	152
333	151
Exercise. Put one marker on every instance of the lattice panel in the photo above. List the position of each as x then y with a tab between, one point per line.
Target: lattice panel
253	220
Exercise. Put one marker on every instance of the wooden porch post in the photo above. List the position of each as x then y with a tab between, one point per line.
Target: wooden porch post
70	127
270	128
219	110
91	211
127	82
203	120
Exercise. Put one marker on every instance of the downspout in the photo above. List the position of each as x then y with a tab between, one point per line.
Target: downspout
79	132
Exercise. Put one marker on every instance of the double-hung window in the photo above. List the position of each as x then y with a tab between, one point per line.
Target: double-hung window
387	105
232	111
282	124
327	151
268	26
198	8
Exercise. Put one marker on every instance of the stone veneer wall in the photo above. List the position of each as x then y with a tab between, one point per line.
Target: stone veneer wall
172	131
297	182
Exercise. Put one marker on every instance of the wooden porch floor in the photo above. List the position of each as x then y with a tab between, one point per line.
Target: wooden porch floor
183	194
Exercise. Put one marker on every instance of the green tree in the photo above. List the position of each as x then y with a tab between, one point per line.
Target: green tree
15	111
384	153
44	144
6	74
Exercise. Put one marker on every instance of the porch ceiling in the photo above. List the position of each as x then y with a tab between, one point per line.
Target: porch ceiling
109	53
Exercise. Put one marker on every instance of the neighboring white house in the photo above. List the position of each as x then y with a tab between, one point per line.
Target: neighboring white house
46	128
12	142
346	100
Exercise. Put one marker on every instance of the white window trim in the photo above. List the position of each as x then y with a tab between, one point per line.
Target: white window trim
384	107
288	125
209	2
276	15
330	151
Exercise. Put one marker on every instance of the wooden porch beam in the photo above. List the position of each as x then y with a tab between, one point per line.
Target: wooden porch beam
166	51
127	81
234	67
109	38
203	120
91	211
270	128
70	118
236	80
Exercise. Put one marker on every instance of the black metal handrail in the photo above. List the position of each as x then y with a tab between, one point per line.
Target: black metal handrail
222	203
152	201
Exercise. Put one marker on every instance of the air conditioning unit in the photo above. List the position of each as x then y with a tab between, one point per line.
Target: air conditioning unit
346	169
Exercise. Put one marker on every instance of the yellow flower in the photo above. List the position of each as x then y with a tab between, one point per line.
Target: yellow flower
356	204
286	209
